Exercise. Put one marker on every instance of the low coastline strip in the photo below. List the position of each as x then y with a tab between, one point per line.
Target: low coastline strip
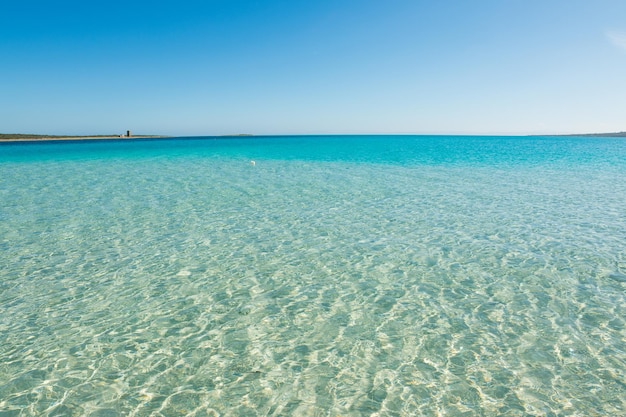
19	137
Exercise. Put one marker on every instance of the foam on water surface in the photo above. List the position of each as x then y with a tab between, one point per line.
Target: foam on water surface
335	276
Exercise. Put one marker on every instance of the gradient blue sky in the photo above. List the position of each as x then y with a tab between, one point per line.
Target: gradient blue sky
316	66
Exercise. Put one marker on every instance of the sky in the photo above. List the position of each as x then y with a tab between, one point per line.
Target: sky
215	67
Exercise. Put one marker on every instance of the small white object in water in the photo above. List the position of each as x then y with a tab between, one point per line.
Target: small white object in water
252	163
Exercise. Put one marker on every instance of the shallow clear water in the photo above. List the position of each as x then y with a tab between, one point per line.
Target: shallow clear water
389	276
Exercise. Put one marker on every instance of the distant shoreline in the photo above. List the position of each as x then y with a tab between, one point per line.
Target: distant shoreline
17	137
45	138
595	135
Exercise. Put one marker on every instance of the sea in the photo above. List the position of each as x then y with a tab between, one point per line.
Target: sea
313	276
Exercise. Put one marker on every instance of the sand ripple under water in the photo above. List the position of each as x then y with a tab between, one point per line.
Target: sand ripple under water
203	285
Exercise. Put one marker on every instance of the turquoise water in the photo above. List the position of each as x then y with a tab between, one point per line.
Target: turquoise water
337	276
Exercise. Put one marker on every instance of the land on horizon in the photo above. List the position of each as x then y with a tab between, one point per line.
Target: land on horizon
17	137
610	135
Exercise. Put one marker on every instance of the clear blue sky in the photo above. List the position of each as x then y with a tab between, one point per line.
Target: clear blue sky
315	66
